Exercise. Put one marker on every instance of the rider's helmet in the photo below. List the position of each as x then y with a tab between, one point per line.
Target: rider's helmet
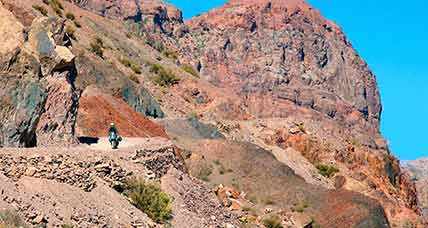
112	124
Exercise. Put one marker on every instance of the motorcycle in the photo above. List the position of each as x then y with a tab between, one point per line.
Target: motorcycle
114	140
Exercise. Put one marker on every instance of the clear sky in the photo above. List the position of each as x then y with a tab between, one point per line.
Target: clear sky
392	36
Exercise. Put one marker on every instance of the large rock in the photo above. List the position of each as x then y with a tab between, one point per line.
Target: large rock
45	41
22	106
11	31
142	101
22	96
38	93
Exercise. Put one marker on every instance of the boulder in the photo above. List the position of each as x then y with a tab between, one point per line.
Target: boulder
45	42
11	31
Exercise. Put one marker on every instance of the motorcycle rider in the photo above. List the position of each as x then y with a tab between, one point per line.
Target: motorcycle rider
113	133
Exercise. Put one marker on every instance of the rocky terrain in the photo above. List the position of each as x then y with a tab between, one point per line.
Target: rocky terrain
255	113
418	170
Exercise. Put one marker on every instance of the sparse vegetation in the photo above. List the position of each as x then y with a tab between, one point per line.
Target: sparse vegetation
97	47
130	64
134	78
355	142
189	69
10	219
251	210
301	127
300	207
57	7
327	170
221	169
155	44
41	9
204	171
272	221
269	201
236	184
164	78
253	199
170	54
66	226
315	224
155	68
71	32
408	224
77	24
70	16
148	197
192	115
57	3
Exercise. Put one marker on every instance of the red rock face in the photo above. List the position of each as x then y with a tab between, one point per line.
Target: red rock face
98	110
275	52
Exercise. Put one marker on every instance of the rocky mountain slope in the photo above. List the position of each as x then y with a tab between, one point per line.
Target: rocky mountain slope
266	102
419	173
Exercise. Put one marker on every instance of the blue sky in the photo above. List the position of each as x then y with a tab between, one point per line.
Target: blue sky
392	36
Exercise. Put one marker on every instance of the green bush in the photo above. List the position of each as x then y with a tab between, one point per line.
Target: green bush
128	63
149	198
10	219
166	78
70	16
272	222
163	77
155	68
97	47
327	170
41	9
189	69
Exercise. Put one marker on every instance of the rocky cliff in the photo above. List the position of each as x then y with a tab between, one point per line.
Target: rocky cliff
254	93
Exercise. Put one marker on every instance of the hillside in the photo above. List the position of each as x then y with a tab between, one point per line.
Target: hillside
258	109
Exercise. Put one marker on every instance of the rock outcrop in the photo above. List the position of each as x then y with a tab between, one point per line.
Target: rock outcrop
39	98
273	53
